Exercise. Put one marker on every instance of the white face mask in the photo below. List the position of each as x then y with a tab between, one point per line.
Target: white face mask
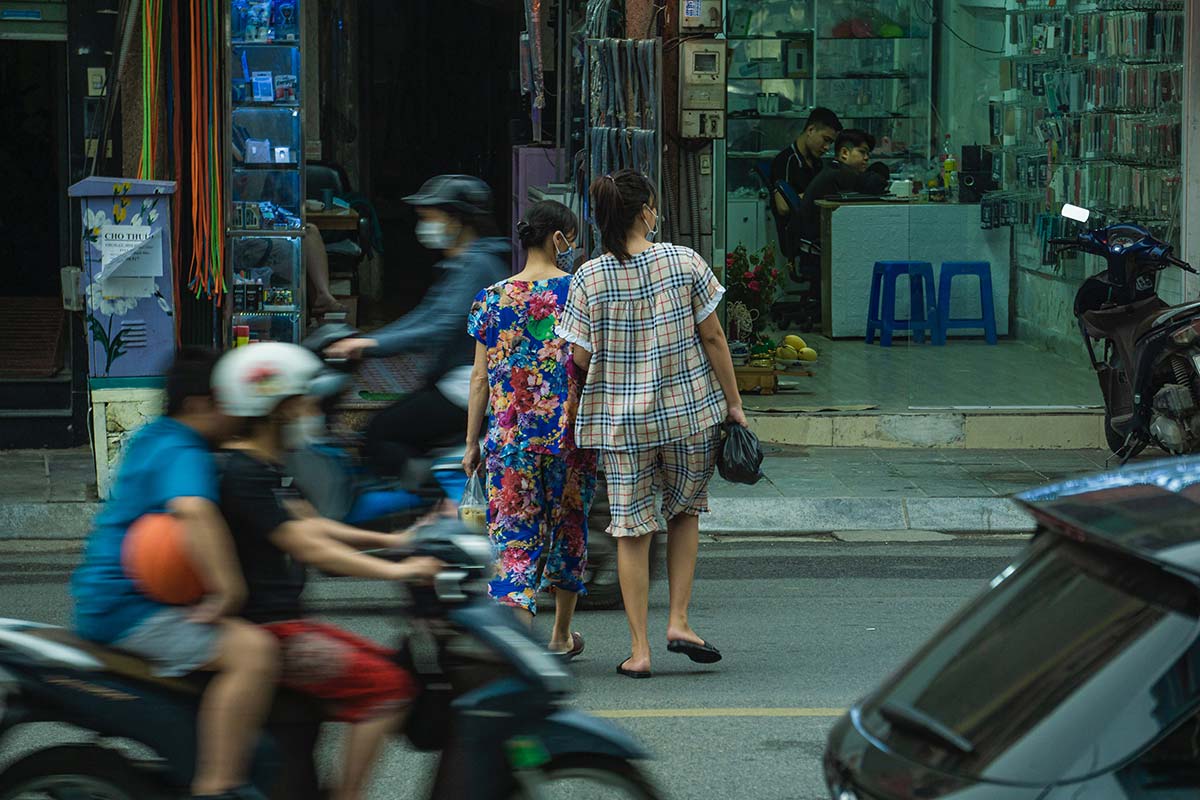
651	233
436	235
300	433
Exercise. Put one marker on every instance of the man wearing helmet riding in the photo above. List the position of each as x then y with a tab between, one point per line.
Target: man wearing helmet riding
456	218
275	390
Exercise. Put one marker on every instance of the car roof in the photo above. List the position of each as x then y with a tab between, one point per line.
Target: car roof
1150	511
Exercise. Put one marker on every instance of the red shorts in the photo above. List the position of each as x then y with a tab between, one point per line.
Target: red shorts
357	677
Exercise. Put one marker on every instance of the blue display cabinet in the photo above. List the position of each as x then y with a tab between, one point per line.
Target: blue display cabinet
128	278
265	172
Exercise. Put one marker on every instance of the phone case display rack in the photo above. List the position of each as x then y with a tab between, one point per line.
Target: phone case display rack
622	94
264	154
1091	114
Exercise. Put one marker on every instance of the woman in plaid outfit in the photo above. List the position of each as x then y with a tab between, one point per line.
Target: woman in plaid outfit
660	382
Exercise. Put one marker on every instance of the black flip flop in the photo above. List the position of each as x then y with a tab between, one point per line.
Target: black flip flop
631	673
703	653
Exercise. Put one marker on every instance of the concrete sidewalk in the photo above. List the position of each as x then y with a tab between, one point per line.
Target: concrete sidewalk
835	489
50	494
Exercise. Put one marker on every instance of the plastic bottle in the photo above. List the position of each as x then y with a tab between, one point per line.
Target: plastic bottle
949	166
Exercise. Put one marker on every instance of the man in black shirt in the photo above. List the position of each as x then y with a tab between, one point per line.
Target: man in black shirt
271	387
848	173
796	166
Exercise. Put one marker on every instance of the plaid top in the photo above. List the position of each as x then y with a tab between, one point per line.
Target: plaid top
650	382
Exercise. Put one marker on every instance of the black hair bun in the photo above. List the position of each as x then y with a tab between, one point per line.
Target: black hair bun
525	233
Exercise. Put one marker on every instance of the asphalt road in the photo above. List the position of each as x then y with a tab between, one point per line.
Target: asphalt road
806	629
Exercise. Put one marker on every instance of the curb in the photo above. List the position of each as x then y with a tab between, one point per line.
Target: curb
46	520
790	516
728	516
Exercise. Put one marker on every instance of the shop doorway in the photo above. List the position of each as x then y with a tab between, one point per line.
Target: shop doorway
440	96
35	340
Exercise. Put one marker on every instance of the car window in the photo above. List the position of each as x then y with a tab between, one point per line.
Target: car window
1069	664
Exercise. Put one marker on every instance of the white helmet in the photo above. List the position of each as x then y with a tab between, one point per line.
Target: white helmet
250	381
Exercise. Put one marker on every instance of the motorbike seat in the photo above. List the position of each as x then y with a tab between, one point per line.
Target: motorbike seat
78	653
1113	322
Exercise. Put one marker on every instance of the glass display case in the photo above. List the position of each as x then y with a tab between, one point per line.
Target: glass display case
265	175
770	87
868	62
874	63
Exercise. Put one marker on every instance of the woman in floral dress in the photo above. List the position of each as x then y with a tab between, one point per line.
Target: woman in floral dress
540	485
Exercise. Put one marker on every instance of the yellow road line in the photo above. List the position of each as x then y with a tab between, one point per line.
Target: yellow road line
667	713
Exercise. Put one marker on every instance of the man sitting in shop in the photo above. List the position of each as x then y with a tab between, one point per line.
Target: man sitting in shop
796	166
849	173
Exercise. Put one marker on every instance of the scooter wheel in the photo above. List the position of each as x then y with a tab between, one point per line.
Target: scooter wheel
592	776
96	773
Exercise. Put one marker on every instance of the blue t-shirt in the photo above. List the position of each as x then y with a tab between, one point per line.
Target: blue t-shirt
164	460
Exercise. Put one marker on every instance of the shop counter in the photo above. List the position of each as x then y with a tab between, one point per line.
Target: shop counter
856	235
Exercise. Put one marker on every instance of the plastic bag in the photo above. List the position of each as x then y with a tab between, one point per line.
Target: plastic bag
472	510
740	457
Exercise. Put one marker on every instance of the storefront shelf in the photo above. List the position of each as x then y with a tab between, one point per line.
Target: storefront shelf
872	38
749	37
282	165
286	43
260	106
865	76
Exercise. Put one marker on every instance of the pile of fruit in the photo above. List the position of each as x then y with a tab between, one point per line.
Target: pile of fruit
793	349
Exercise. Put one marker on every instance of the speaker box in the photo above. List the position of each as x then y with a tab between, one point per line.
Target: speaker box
975	174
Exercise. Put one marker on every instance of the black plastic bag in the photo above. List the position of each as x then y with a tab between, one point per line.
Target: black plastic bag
741	456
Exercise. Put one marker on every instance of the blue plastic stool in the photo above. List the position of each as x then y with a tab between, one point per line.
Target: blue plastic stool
987	319
922	311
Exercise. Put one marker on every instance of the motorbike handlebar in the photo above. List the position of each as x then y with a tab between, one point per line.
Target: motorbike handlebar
1183	265
1064	242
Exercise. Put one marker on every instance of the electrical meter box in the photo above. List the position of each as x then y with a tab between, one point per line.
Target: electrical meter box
702	89
128	278
697	16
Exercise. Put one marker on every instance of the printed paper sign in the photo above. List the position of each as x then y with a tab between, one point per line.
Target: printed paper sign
130	251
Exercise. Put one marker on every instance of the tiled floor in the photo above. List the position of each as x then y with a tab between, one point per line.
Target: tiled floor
851	375
862	472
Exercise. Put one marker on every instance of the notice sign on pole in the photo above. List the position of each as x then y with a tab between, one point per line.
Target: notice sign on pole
130	260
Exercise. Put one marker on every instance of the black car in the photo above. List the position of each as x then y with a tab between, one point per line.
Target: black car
1076	674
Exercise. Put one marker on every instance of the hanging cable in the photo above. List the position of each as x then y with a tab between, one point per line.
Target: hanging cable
206	275
175	160
151	47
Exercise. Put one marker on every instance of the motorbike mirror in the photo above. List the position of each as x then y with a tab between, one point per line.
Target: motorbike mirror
1077	213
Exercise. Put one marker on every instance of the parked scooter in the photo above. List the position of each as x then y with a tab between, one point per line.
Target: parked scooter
491	704
1149	359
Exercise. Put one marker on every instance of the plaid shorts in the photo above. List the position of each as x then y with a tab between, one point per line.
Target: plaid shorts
680	470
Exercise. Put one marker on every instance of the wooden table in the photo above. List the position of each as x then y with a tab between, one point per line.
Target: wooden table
333	220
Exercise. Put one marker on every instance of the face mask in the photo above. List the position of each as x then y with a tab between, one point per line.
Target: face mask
652	233
300	433
565	259
435	235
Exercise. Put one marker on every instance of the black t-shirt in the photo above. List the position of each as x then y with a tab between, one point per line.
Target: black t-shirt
790	166
253	497
836	179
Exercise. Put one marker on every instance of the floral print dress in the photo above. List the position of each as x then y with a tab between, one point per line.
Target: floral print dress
540	486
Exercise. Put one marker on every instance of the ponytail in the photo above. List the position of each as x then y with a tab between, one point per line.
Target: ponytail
617	202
